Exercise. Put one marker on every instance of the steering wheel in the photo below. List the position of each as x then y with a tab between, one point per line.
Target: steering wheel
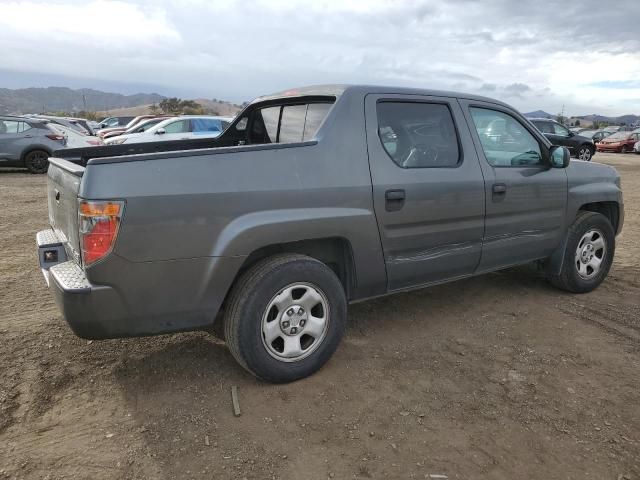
420	155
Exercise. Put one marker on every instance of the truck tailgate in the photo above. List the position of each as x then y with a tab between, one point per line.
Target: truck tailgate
63	186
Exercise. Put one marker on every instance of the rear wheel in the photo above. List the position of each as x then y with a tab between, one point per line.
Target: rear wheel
285	317
585	153
37	161
624	149
588	253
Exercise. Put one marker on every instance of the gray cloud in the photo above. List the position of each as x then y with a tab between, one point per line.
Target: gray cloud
516	51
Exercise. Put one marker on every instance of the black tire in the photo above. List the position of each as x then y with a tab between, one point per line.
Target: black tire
624	149
247	308
570	278
585	152
37	161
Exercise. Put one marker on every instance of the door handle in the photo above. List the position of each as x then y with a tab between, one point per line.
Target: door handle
499	189
394	199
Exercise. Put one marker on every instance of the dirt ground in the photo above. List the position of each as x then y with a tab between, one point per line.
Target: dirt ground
498	377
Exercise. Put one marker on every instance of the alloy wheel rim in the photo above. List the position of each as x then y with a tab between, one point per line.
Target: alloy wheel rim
590	254
585	154
38	160
295	322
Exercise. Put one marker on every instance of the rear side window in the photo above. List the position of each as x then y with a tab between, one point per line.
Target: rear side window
206	125
418	135
287	123
11	126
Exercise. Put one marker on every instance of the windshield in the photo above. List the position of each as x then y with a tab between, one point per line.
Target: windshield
588	133
144	125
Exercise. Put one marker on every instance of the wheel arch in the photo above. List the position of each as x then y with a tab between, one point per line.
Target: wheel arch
334	251
608	208
33	148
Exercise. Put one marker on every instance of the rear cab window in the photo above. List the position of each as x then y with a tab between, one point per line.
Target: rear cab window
292	123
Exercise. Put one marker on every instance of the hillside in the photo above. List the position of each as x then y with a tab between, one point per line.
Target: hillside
212	107
53	99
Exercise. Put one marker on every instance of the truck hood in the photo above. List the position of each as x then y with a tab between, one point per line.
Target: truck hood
580	172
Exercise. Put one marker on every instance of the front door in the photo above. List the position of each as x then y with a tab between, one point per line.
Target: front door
526	199
428	188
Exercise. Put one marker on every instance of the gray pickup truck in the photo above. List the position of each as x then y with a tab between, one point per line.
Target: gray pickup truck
311	199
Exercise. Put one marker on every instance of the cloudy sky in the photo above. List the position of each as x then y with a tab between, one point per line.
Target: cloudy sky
530	53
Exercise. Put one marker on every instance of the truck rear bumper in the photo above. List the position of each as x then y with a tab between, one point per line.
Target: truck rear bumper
137	308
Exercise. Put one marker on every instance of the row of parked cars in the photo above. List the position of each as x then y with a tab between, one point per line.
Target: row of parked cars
583	142
615	139
28	141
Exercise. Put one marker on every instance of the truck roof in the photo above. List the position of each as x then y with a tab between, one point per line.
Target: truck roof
337	90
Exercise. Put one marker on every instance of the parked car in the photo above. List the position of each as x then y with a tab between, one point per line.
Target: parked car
311	199
580	146
612	128
141	126
75	139
65	122
134	121
28	142
636	147
177	128
114	122
619	142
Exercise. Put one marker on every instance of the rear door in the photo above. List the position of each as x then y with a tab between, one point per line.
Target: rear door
526	200
428	188
14	135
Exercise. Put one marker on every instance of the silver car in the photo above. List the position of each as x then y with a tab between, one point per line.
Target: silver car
28	142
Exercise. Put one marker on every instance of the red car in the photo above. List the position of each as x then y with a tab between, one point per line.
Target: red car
620	142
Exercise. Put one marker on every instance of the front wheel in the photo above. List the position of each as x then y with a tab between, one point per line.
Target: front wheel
624	149
285	317
585	153
37	161
588	253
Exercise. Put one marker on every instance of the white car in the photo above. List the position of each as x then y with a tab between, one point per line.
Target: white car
636	147
176	128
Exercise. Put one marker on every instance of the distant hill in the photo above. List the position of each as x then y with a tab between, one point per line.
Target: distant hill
211	107
54	99
626	119
62	99
538	114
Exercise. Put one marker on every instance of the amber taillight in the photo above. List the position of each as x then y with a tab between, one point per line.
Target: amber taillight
99	222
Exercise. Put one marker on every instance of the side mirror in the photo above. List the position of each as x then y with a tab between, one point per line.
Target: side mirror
559	156
161	131
571	134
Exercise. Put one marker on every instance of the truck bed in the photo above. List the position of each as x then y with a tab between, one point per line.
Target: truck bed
84	154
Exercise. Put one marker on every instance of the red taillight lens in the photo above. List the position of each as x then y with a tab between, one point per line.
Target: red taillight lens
56	137
99	222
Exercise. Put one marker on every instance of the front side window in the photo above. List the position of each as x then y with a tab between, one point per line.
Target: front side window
544	127
418	135
505	141
560	130
9	126
181	126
